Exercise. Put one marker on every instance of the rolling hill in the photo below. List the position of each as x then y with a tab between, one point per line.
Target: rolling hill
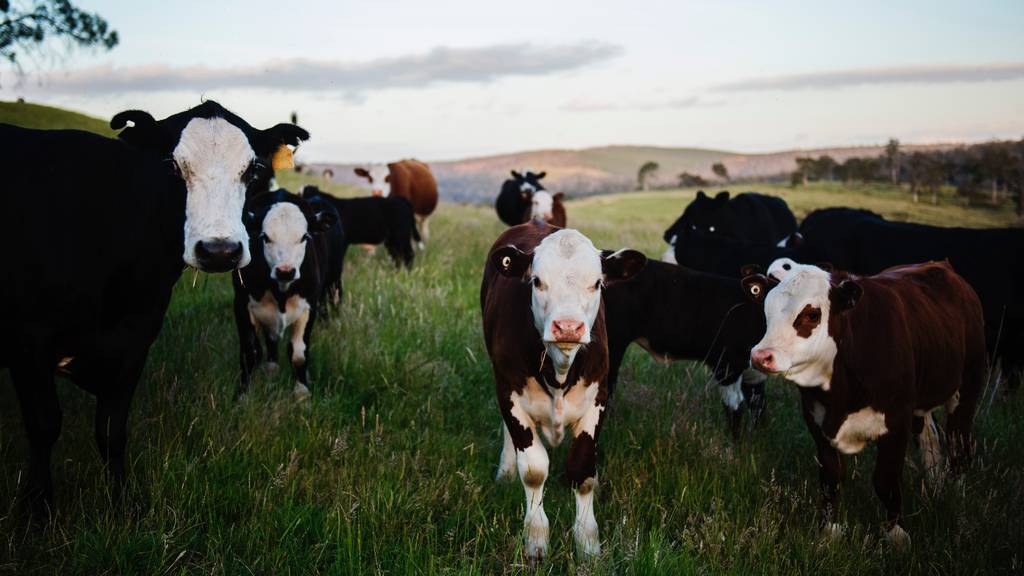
49	118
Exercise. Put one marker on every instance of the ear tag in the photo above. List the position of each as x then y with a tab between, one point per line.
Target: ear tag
506	262
755	290
283	158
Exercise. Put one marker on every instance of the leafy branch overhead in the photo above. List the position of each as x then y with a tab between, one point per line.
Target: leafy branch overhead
27	25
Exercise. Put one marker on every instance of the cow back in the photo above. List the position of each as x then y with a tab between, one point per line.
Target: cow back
412	180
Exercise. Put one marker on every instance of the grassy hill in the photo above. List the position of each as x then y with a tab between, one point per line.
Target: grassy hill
49	118
390	468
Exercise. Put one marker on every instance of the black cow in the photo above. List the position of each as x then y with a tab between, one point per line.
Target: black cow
375	220
747	218
104	228
287	281
515	200
679	314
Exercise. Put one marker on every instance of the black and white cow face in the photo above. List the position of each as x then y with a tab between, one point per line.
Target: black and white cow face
566	273
284	237
542	205
529	181
221	159
378	179
712	217
797	342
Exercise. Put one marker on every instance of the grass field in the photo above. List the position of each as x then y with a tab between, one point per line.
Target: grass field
390	468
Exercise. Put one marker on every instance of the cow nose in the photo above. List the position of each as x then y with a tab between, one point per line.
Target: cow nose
763	360
377	192
218	255
567	330
284	273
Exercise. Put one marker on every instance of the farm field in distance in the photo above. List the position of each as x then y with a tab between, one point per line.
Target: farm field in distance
390	469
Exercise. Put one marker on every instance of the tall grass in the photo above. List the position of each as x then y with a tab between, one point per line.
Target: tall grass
390	468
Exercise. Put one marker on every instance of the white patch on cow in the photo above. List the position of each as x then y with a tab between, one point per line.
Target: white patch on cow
424	225
805	361
266	313
212	155
284	247
300	392
832	531
781	268
507	460
670	254
379	174
897	536
732	394
818	412
931	451
857	429
533	472
953	403
541	205
566	276
298	308
584	529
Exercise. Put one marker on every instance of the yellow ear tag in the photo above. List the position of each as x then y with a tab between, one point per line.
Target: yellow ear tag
283	158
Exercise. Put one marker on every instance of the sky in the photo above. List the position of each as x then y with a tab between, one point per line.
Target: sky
385	79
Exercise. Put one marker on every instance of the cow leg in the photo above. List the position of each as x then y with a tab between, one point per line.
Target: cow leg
581	472
960	411
299	352
111	425
532	462
928	445
830	465
270	337
732	402
887	477
753	391
41	416
507	460
424	225
249	348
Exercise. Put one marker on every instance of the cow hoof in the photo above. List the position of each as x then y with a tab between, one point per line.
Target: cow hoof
301	392
270	368
898	537
588	544
832	531
420	246
506	473
537	540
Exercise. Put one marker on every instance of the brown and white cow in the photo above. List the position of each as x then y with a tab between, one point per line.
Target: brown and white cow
410	179
543	320
873	357
548	207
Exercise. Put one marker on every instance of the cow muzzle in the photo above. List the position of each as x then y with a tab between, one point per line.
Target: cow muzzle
764	360
218	254
568	333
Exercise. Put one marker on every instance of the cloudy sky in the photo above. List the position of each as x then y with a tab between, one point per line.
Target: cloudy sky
383	79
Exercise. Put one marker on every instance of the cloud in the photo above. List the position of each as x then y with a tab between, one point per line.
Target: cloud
591	105
940	74
350	79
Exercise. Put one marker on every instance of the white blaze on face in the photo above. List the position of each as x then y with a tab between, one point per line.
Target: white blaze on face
378	183
781	268
212	155
525	186
284	246
566	289
541	208
797	313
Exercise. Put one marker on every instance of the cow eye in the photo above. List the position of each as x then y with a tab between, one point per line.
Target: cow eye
711	228
814	315
263	237
693	227
597	285
306	236
537	283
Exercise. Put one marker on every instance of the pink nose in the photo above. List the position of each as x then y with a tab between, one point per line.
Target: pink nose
567	330
763	360
378	192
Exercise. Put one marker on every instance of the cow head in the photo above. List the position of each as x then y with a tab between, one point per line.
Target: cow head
378	179
222	160
798	342
283	225
528	181
542	205
566	274
705	215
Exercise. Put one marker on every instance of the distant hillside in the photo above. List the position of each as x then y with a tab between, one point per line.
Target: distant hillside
609	168
49	118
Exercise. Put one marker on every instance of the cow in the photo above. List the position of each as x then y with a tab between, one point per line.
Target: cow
374	220
287	281
524	198
113	223
544	328
873	357
991	260
747	218
410	179
675	313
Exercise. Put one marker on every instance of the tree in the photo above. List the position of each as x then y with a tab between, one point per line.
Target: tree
720	170
804	168
25	26
824	168
892	160
687	180
645	172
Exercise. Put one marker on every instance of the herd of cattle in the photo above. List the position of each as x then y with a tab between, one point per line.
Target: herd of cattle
903	320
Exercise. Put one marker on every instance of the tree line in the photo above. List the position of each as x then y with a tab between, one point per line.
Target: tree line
993	170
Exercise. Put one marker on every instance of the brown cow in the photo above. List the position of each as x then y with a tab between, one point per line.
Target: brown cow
410	179
543	322
548	207
873	357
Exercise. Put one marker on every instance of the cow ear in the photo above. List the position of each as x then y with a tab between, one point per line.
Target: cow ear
622	265
511	261
559	196
362	172
750	269
755	286
324	221
283	134
516	175
845	296
540	176
701	195
722	196
139	118
144	132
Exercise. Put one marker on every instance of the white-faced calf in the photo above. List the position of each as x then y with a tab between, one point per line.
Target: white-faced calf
873	357
286	283
544	327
